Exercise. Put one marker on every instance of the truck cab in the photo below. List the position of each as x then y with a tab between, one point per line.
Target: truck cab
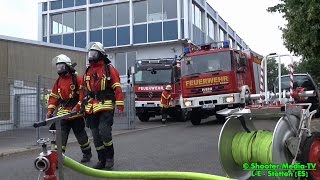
214	79
150	78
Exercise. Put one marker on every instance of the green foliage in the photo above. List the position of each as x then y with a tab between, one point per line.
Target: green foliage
272	71
302	32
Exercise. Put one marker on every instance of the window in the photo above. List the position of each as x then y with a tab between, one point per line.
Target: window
95	1
81	20
68	39
96	17
211	28
96	36
44	6
123	13
140	11
197	17
154	10
56	4
56	24
221	33
169	9
124	61
123	36
231	42
140	33
44	25
182	8
80	2
81	39
109	37
68	3
155	32
238	47
56	39
109	14
170	30
68	22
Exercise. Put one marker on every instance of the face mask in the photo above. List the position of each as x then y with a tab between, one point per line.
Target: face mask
62	69
93	56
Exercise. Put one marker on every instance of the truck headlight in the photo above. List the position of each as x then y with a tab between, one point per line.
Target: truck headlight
187	103
229	99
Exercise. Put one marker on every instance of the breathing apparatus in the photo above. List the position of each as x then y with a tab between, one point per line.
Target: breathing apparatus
63	65
96	53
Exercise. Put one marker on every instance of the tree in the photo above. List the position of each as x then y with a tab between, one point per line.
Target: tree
302	32
272	71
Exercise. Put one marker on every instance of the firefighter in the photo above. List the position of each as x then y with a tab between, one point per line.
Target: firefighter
104	94
165	103
64	98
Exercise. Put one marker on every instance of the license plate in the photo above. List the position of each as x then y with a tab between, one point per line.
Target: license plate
206	106
150	105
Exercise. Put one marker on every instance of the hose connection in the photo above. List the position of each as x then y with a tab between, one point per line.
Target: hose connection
42	164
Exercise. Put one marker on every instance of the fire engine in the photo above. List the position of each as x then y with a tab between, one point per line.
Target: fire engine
150	78
216	77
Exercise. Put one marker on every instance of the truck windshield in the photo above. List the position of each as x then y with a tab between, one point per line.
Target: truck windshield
220	61
162	76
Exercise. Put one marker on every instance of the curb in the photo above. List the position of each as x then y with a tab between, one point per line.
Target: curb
74	140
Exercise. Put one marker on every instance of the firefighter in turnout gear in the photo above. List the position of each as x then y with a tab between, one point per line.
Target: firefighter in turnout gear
64	98
165	103
104	94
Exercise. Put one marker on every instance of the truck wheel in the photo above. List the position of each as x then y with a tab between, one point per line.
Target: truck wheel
182	115
143	117
311	154
221	118
195	117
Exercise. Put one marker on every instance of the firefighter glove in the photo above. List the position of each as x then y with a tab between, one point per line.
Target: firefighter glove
49	114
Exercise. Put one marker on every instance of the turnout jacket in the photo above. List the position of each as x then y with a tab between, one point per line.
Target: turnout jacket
65	95
102	83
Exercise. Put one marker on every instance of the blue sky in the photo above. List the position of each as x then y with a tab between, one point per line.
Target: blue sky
249	18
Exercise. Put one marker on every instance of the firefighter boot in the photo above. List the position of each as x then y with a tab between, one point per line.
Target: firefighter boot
109	164
109	157
86	157
102	159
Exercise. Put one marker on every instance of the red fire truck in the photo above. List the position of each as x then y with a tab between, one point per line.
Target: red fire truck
150	78
217	78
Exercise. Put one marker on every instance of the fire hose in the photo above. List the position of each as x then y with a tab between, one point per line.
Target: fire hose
252	147
74	165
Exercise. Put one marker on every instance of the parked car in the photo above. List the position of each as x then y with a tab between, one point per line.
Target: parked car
301	80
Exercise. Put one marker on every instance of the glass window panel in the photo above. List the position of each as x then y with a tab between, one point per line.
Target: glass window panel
80	2
140	34
169	9
193	14
221	33
182	28
170	30
68	39
68	22
96	36
154	10
68	3
155	32
109	37
56	24
211	28
131	59
56	4
95	1
44	6
81	20
107	0
123	35
109	15
56	39
182	8
44	39
96	17
123	13
121	63
81	40
140	11
44	25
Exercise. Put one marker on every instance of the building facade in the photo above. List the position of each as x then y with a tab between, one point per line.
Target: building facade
133	29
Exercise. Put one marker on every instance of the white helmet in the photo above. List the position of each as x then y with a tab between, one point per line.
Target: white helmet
97	46
61	59
168	87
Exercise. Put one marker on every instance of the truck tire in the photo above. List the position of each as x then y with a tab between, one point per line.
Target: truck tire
311	154
195	117
182	115
144	117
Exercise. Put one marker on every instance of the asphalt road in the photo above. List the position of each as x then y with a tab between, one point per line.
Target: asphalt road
175	147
